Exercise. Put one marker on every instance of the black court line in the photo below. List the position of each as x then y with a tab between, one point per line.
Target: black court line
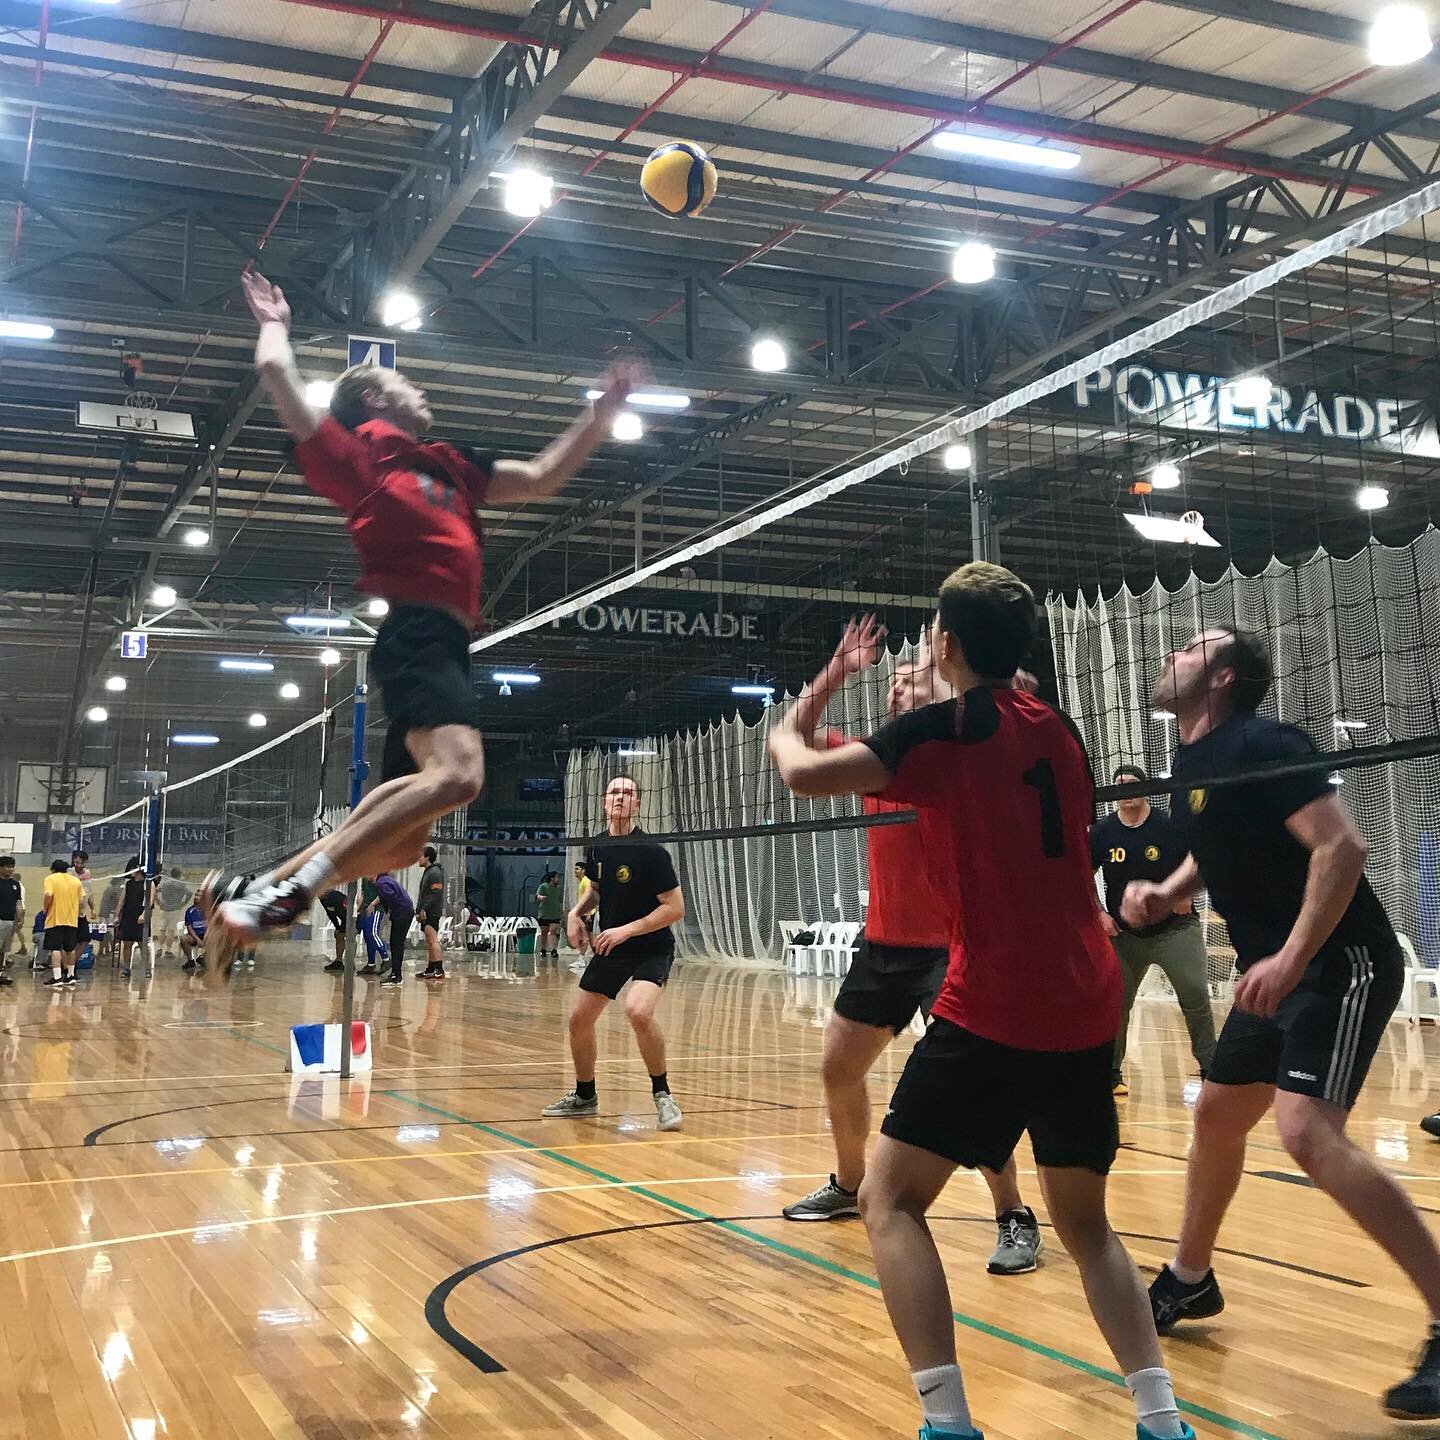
93	1138
1284	1177
437	1317
325	1129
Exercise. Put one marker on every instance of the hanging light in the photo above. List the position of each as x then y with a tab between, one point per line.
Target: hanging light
628	426
97	714
1399	35
974	263
401	311
329	656
1372	497
956	457
116	683
768	356
164	596
528	193
197	538
289	691
1165	476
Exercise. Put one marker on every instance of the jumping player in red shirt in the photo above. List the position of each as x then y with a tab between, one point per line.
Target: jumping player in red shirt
899	967
410	508
1022	1034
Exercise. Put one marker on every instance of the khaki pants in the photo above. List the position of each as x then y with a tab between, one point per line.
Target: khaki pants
1180	953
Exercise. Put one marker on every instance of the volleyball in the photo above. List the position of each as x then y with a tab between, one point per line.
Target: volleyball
679	180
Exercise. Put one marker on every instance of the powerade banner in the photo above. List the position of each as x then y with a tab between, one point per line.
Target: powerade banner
522	839
680	624
1187	400
179	838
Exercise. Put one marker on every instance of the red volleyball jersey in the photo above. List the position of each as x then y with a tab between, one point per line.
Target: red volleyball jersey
1005	797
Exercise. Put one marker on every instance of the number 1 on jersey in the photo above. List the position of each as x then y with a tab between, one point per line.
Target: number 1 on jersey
1041	777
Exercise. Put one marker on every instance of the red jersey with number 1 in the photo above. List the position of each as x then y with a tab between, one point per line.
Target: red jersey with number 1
1005	798
904	908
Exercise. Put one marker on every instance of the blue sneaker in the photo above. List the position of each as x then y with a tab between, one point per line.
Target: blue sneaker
929	1432
1141	1433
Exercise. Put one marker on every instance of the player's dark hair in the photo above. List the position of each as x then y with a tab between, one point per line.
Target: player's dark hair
59	867
1134	772
991	613
80	855
7	859
1246	655
347	404
431	854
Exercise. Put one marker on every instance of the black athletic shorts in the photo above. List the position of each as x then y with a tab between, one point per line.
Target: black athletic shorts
606	975
82	931
429	914
887	984
62	937
970	1100
421	662
129	932
1324	1036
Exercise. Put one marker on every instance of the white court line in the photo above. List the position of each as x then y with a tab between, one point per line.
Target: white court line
502	1198
402	1070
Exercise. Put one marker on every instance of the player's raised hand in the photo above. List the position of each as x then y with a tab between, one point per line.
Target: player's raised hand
267	301
859	646
623	379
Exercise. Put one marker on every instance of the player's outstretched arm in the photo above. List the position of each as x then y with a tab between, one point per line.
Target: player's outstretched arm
274	357
516	482
859	648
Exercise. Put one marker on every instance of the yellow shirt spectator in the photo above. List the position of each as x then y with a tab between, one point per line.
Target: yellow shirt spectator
63	894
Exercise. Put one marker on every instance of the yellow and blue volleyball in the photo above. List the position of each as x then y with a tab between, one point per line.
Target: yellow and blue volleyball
679	180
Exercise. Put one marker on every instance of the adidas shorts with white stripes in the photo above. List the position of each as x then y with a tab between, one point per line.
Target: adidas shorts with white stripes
1324	1036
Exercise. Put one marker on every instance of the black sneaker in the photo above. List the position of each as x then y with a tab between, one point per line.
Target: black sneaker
1431	1125
369	970
190	965
5	980
54	980
1418	1398
392	980
70	981
1172	1300
335	967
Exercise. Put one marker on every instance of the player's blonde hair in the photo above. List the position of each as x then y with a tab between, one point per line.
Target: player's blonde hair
991	613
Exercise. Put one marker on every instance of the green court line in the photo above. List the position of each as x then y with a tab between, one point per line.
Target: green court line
819	1262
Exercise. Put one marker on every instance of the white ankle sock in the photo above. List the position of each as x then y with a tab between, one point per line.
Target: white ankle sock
1186	1276
1155	1402
315	876
942	1393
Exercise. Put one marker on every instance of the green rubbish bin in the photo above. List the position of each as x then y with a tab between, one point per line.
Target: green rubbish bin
525	942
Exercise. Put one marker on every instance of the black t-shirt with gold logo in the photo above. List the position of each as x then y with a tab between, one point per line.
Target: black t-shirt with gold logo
1253	867
1152	850
632	875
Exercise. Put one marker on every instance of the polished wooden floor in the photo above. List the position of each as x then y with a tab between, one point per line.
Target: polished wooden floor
193	1244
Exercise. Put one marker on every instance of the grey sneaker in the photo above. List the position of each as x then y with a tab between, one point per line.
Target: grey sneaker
570	1106
1019	1244
829	1202
667	1112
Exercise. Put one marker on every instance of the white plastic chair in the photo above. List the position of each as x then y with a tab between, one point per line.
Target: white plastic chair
789	929
807	957
839	950
1418	977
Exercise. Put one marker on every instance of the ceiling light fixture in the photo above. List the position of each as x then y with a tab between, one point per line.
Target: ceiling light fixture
97	714
1165	476
378	609
197	538
116	684
253	667
974	263
761	692
528	193
25	330
1009	152
258	721
1399	35
628	427
190	737
768	356
289	691
956	457
648	399
401	311
515	677
1163	530
1372	497
329	656
312	621
319	393
164	596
